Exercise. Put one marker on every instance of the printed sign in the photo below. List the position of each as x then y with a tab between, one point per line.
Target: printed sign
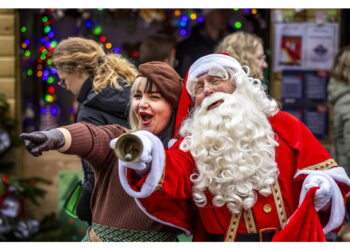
305	46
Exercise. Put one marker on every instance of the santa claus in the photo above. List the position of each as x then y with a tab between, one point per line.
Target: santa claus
240	169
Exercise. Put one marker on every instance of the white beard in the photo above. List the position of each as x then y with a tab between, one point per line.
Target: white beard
234	149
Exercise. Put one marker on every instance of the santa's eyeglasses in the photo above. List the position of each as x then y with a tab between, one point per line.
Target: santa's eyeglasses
199	88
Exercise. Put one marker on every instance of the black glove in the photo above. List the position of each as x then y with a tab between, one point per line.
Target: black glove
45	140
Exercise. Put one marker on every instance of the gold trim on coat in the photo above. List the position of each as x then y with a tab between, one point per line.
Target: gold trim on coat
281	212
249	221
232	229
322	165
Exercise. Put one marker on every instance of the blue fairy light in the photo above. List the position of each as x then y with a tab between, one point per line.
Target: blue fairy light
51	34
183	32
182	24
72	110
200	19
88	23
43	110
184	18
54	110
53	71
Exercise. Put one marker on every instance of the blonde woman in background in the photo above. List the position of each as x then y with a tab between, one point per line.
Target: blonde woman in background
247	49
101	82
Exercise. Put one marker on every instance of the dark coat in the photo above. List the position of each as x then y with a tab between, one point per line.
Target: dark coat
109	106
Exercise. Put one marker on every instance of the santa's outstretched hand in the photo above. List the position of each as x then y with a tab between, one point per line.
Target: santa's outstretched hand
141	166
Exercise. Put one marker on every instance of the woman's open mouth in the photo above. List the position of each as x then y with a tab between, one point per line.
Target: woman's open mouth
215	104
146	118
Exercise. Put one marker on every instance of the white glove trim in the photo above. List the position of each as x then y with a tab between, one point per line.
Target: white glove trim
139	204
337	213
155	174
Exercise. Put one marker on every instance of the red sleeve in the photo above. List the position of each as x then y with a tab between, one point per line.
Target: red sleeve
310	152
179	167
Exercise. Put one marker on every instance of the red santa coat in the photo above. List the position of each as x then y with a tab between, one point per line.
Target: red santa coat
171	200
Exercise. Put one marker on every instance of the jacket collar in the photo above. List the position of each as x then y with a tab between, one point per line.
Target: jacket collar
85	90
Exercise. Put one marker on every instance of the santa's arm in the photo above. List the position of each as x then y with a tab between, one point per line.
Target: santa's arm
329	196
157	169
315	167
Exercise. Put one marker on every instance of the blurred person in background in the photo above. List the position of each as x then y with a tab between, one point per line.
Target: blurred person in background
158	47
101	83
247	49
339	97
203	39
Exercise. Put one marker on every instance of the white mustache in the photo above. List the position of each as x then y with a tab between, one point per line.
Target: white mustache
209	100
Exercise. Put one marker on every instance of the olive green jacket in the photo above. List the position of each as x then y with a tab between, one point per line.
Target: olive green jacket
339	96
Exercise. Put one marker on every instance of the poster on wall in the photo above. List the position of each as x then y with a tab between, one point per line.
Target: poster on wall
307	86
315	117
292	86
315	87
321	43
289	39
305	46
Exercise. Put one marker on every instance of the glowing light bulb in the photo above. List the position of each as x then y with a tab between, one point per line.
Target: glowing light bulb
177	12
97	31
238	25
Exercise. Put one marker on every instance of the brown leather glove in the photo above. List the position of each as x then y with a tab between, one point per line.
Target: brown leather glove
45	140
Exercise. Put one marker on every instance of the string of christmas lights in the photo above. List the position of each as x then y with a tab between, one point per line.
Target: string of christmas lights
97	31
185	18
